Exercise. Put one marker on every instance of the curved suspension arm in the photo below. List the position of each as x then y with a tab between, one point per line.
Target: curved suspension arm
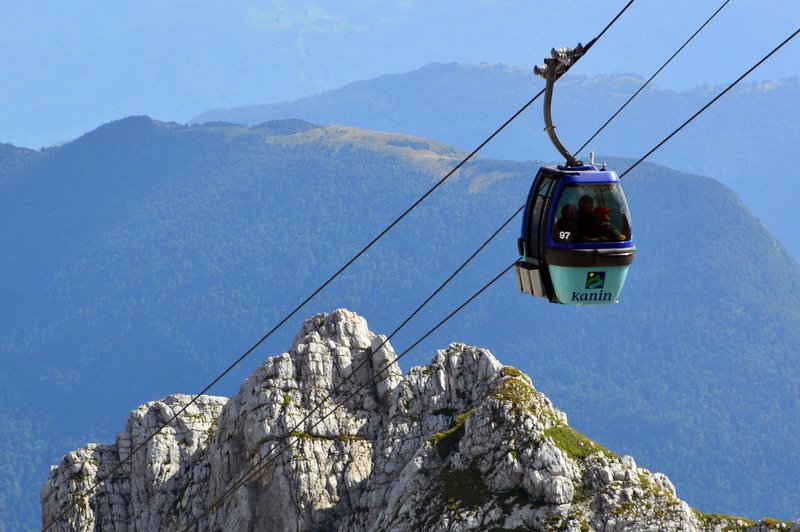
554	67
548	120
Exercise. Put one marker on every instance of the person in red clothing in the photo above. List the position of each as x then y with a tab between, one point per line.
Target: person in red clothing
605	230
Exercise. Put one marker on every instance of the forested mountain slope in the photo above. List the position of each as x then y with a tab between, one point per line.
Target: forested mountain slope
743	140
142	258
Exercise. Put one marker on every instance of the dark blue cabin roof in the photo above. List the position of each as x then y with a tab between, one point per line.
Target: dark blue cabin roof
583	174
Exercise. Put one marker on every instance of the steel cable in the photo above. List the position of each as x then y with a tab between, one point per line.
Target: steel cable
706	106
194	398
657	72
261	464
265	460
419	308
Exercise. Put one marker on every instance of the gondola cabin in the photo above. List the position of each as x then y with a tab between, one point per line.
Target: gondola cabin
576	244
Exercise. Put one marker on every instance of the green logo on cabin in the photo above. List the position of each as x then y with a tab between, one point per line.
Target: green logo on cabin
595	280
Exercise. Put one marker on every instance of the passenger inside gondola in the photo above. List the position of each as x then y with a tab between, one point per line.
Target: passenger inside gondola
566	228
600	215
587	223
606	231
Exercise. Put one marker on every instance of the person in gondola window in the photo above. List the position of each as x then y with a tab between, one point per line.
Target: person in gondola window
588	230
605	229
566	227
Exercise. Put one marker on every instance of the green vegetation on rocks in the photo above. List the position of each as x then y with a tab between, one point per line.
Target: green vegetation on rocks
212	429
465	488
446	440
574	443
724	522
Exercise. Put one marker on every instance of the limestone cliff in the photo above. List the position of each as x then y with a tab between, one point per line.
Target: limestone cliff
461	444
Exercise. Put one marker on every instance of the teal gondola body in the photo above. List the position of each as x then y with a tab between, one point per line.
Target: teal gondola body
576	244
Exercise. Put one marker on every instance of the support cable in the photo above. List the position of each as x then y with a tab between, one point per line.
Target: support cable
194	398
98	482
255	470
706	106
269	458
657	72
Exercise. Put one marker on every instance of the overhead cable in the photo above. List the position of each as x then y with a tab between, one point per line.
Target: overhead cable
657	72
286	318
269	458
265	460
592	42
194	398
711	102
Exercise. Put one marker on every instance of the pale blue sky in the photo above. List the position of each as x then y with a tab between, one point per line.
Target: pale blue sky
67	67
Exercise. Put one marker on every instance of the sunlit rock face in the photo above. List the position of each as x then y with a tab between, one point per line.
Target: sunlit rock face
463	443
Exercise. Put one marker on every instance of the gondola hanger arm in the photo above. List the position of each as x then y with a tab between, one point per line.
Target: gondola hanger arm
554	67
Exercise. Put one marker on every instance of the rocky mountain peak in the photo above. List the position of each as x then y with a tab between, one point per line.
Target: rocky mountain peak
463	443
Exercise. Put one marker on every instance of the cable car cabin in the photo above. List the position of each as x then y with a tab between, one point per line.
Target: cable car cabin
576	241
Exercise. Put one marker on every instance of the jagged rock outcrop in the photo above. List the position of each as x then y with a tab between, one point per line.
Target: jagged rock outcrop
461	444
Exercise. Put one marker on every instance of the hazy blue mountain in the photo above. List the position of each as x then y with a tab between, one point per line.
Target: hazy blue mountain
68	66
742	140
144	257
13	160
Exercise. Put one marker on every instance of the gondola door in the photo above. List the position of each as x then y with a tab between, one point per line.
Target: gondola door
533	276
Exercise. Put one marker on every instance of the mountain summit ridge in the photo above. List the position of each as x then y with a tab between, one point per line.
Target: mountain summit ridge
464	443
741	136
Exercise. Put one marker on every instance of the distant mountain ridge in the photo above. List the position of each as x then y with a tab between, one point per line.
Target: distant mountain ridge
742	140
14	160
140	259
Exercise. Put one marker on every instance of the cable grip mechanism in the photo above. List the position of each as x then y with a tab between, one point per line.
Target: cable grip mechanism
554	67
